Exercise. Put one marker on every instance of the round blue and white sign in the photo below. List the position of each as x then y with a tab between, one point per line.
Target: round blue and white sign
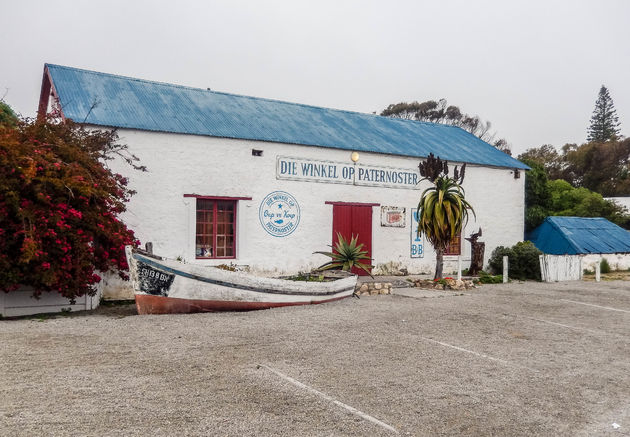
279	213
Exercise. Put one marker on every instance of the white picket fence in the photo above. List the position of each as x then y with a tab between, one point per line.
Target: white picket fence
555	268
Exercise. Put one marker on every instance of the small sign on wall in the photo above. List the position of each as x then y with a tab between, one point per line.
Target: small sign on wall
279	213
417	241
393	216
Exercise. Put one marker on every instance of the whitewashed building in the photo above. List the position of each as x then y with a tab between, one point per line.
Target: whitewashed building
264	183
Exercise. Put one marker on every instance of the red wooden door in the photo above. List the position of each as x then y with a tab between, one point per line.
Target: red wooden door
352	220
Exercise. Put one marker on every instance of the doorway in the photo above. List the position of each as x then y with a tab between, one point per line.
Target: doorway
354	219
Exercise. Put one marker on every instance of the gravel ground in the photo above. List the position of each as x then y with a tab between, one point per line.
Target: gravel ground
519	359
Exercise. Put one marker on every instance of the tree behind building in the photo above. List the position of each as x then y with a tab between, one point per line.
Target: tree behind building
604	122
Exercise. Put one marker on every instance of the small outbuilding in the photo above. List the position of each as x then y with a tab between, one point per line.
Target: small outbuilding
590	237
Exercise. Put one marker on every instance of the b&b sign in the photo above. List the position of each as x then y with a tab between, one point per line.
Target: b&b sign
417	245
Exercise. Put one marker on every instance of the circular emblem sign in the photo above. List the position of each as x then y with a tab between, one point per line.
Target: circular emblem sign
279	213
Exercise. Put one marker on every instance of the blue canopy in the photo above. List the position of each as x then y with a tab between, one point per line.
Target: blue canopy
579	235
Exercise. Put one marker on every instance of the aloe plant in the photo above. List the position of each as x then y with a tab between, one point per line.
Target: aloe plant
345	255
442	213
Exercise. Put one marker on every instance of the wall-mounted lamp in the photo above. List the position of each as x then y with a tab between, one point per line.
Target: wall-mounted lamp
354	157
517	173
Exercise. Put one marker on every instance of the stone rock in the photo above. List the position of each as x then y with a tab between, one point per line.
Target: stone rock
459	285
378	285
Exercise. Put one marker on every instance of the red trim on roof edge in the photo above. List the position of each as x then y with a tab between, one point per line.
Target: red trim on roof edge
48	89
44	94
217	197
328	202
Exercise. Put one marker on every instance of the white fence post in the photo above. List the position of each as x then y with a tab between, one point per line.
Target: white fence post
506	263
459	267
598	272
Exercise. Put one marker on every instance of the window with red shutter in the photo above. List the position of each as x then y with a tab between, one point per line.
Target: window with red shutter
216	225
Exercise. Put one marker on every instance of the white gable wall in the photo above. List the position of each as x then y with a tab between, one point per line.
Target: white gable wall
187	164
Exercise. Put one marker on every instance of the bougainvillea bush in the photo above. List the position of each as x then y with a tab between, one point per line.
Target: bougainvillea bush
60	207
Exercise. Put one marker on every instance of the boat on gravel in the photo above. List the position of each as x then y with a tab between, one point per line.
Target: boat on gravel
165	286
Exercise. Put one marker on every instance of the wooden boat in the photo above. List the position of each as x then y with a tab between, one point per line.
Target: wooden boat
164	286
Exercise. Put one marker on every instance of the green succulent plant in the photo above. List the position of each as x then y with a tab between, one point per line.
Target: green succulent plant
345	255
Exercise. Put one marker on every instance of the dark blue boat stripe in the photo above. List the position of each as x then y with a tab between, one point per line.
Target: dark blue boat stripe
229	284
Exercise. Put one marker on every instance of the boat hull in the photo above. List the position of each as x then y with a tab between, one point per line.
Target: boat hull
165	286
148	304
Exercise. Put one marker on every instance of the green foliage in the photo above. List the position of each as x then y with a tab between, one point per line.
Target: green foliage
346	255
601	166
442	281
604	267
546	156
59	207
534	217
604	122
486	278
537	195
7	116
442	212
581	202
558	197
523	260
306	277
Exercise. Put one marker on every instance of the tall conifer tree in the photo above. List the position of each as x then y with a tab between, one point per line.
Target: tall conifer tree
604	122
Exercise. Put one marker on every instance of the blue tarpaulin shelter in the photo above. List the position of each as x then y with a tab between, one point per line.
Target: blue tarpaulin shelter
579	236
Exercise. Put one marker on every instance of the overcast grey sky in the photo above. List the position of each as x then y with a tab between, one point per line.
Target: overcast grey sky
533	68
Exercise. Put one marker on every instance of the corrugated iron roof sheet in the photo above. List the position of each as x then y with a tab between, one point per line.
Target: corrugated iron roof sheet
580	235
116	101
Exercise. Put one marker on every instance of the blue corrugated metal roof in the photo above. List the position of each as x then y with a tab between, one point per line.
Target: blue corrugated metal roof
580	235
139	104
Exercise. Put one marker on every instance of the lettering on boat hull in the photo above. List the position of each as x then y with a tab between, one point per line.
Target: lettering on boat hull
154	281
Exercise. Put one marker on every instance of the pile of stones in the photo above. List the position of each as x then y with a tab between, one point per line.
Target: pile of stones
445	284
373	288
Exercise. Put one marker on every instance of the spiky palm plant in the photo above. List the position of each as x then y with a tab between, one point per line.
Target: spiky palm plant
442	212
345	255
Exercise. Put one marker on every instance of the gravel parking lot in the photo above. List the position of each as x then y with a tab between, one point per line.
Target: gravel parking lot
519	359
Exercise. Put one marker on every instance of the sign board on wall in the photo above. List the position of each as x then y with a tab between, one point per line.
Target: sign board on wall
279	213
417	243
301	169
393	216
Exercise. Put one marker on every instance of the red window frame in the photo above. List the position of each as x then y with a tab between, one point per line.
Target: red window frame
211	225
454	246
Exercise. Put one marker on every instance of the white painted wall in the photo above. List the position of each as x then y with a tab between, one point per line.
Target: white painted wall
616	261
185	164
22	303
